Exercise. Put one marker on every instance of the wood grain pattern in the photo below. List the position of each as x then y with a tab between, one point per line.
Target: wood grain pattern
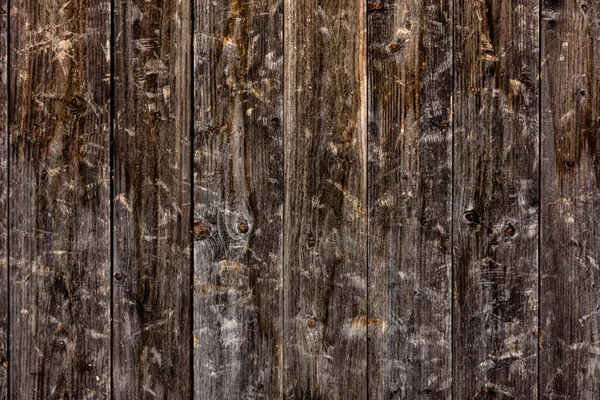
238	196
152	199
4	281
495	199
410	198
325	214
570	301
59	199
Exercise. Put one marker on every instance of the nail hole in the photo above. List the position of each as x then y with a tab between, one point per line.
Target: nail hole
509	230
243	227
157	116
119	276
472	217
584	8
569	164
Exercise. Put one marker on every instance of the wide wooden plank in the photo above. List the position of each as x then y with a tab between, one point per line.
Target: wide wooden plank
152	199
3	204
59	203
238	199
325	214
570	200
410	199
495	199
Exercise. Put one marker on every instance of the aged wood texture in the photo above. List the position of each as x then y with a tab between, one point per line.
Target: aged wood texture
325	215
59	199
238	200
152	199
570	300
495	199
4	281
410	198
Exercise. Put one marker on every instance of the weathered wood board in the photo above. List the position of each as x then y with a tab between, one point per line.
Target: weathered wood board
410	198
4	281
570	201
59	219
152	199
325	214
496	193
238	200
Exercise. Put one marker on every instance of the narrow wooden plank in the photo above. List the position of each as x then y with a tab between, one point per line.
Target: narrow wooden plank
238	196
495	199
152	199
4	281
325	214
410	199
59	199
570	200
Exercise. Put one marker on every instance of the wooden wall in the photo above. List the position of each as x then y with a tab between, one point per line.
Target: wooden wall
300	199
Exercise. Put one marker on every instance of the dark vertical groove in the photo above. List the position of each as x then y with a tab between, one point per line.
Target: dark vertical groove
192	206
7	130
112	183
452	364
539	190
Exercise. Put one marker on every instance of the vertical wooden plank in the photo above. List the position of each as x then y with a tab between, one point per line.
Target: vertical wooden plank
152	197
570	200
4	281
410	199
59	199
325	215
495	199
238	196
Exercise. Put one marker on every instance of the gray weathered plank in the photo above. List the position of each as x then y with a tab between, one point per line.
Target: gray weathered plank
325	215
3	204
152	199
495	199
59	199
410	199
238	199
570	201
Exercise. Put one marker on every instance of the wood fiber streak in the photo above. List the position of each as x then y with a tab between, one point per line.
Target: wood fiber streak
152	199
4	281
238	196
410	198
325	214
59	257
495	199
570	201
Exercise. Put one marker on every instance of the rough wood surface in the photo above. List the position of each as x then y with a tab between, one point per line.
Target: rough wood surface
570	201
238	199
4	281
325	214
152	199
410	198
59	199
495	199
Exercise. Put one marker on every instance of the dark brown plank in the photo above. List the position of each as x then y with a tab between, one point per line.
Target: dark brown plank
152	197
495	199
410	199
570	200
4	281
325	214
59	199
238	199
